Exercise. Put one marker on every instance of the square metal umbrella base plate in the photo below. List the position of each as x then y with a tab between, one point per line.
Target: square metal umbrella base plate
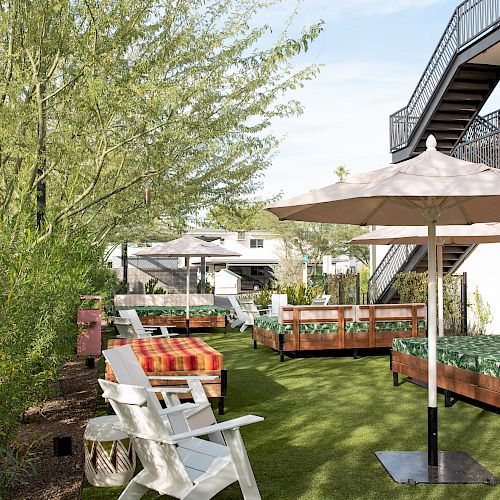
453	467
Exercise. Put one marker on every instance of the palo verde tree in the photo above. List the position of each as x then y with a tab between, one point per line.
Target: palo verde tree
98	97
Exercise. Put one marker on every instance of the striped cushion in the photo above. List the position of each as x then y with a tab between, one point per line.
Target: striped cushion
174	354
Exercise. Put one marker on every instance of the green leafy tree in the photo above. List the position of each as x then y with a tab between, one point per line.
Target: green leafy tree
342	172
99	97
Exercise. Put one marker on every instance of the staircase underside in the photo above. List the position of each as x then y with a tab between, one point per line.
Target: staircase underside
453	257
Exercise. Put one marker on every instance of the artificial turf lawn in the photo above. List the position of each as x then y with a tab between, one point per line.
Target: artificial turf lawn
324	419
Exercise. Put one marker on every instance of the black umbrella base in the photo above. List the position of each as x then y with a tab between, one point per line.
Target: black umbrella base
411	467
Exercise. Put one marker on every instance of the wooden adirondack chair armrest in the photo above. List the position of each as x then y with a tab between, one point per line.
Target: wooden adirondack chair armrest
183	377
229	425
172	390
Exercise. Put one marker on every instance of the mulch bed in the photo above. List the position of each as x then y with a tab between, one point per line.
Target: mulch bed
60	478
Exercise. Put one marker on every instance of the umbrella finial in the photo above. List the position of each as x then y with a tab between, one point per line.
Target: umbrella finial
431	143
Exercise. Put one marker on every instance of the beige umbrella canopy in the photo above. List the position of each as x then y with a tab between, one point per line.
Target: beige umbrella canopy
430	186
421	191
187	246
445	235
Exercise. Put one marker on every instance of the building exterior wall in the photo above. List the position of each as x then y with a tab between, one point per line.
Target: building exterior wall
483	272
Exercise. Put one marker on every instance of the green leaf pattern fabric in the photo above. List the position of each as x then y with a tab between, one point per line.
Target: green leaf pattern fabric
397	326
478	354
271	323
178	310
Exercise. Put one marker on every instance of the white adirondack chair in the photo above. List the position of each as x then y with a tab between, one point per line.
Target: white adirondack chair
128	370
277	300
240	316
176	461
124	328
141	330
321	301
250	311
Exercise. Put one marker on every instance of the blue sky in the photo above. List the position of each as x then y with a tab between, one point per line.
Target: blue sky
373	52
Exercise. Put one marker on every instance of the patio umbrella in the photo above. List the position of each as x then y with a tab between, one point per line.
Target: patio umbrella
445	235
187	246
421	191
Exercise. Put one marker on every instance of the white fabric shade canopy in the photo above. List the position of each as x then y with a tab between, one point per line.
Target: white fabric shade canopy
459	192
445	235
422	191
187	246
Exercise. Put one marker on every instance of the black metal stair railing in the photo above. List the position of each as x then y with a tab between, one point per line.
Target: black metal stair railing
480	150
386	271
480	127
470	20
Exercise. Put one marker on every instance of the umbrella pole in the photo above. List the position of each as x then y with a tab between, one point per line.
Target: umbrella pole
440	287
432	428
187	295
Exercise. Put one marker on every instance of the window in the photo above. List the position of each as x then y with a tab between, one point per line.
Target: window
257	271
257	243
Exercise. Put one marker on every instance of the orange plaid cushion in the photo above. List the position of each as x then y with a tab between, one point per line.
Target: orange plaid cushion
174	354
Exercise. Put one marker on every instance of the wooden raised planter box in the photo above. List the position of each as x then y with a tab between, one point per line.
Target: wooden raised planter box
473	385
180	321
297	315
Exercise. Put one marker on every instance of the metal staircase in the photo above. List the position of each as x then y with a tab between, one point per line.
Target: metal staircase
463	71
461	74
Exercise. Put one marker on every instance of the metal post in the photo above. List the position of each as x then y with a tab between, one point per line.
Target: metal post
373	254
358	290
432	427
203	269
125	262
440	290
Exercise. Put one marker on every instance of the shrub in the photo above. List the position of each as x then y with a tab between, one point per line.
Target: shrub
41	286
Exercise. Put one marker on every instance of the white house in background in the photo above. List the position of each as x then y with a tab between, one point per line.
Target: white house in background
259	251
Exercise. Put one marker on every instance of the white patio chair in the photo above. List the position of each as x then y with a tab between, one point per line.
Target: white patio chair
250	311
240	316
277	300
127	370
176	462
141	330
321	301
124	328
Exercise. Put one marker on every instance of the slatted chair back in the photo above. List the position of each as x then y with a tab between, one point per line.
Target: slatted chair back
237	309
250	310
321	301
124	328
140	419
132	315
278	300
